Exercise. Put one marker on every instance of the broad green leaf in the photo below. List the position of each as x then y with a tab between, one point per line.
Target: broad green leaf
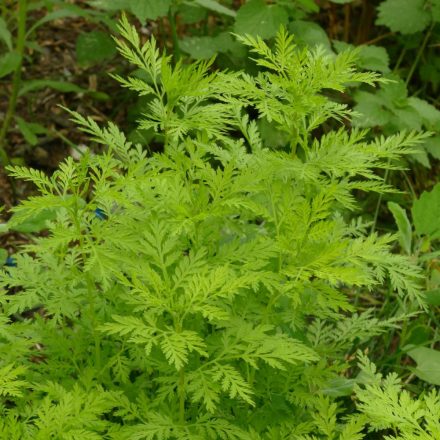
216	7
432	297
309	5
435	11
421	157
149	9
429	114
395	93
190	13
30	130
8	63
38	84
109	5
310	33
93	47
432	146
34	224
27	133
404	16
426	213
66	12
5	35
199	47
339	387
206	47
374	58
372	110
406	118
257	18
430	71
418	335
369	57
403	224
428	364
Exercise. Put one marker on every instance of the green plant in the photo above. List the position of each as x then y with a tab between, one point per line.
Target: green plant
210	300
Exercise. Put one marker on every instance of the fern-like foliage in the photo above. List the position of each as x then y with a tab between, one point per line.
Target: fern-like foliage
388	407
208	300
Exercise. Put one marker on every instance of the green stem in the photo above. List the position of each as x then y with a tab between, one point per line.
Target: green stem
21	39
399	60
419	54
379	200
173	25
90	287
182	396
56	133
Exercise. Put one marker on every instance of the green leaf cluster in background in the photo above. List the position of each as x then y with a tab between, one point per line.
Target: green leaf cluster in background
409	16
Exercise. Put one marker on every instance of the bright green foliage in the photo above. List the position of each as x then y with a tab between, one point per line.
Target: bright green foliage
210	302
387	406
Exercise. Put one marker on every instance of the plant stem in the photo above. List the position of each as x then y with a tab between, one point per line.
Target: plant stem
21	39
379	200
419	54
379	38
90	286
182	396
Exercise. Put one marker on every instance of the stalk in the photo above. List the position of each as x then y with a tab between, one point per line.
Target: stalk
21	40
182	396
419	55
90	289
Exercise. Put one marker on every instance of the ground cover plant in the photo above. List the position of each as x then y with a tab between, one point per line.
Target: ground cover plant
205	290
